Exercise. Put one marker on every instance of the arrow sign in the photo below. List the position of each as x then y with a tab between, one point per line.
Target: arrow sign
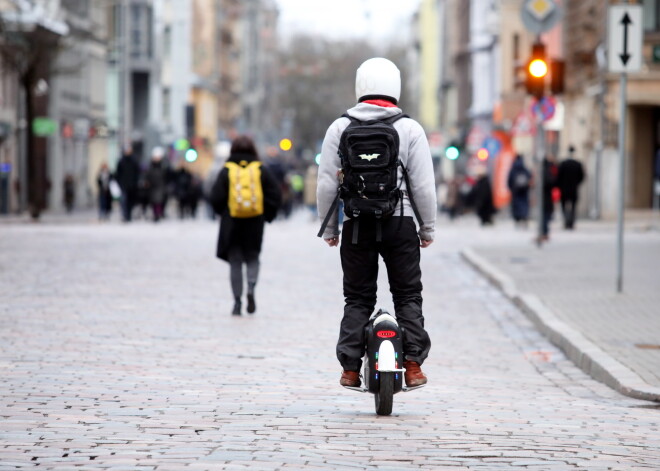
625	39
625	22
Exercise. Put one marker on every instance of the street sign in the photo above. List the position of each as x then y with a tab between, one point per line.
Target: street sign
624	39
540	16
492	145
545	108
42	127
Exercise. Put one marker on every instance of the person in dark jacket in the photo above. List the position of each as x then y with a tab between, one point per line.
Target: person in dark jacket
519	181
127	176
240	239
569	176
156	179
549	179
103	182
482	196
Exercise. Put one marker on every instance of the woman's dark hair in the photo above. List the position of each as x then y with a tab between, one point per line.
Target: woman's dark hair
244	145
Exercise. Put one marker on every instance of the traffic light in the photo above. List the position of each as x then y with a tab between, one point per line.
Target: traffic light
286	144
557	76
483	154
537	70
452	152
191	155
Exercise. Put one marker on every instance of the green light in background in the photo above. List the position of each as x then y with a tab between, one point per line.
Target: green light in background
191	155
182	144
452	153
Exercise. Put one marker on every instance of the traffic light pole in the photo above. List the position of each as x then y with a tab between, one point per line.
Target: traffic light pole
540	154
623	84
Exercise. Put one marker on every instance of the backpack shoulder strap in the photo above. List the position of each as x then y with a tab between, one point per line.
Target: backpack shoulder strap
353	119
410	195
395	118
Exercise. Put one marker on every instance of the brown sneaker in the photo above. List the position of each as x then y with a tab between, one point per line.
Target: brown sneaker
413	375
350	379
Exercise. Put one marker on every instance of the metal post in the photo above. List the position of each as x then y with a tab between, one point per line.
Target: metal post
600	147
622	180
540	154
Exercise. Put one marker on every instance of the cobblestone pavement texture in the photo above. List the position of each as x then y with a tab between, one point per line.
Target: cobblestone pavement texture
575	276
117	351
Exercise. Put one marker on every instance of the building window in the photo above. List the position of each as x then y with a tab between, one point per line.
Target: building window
140	31
167	42
651	15
516	47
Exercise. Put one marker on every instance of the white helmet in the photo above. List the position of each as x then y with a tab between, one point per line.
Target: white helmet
378	77
157	153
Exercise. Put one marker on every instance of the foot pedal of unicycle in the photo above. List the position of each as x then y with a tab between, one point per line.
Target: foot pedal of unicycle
412	388
358	389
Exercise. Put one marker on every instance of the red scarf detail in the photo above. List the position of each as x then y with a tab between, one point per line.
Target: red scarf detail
383	103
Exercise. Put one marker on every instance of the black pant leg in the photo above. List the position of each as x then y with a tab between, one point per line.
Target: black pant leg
360	265
400	251
571	214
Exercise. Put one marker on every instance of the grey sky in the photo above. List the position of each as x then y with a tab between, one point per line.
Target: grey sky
376	20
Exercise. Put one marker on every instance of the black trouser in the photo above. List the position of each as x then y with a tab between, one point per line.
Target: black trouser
400	251
568	204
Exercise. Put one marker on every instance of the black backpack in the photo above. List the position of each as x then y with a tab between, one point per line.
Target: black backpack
368	181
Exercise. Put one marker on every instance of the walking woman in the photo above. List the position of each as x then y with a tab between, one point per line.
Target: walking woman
245	195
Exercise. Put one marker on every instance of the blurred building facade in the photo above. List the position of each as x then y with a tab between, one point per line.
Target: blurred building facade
483	48
136	70
9	138
259	71
30	40
592	106
77	102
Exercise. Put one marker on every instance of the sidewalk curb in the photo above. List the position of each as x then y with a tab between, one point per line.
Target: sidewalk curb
584	353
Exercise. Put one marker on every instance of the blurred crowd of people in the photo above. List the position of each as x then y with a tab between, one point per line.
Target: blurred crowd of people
145	191
473	193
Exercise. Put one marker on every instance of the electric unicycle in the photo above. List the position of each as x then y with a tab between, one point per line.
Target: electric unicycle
383	361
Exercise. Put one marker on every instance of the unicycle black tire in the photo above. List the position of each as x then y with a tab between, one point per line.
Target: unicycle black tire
384	398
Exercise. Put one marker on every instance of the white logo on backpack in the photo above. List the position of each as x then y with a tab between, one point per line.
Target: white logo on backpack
369	157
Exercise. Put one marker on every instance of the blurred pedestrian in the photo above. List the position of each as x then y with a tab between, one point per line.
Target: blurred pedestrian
519	182
195	195
570	175
182	179
69	192
104	181
379	214
549	182
448	197
156	179
482	198
656	180
127	175
245	196
142	195
311	175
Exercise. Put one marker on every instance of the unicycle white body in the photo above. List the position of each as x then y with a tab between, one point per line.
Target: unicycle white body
383	361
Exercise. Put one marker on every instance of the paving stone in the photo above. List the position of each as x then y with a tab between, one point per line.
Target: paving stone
116	343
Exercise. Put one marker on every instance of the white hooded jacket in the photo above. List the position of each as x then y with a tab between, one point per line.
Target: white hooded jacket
414	153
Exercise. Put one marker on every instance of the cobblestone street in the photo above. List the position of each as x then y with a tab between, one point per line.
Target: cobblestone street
118	351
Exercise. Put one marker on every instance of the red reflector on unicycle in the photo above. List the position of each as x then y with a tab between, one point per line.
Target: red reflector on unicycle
386	334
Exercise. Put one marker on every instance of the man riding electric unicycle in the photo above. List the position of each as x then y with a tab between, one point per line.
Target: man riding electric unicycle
378	162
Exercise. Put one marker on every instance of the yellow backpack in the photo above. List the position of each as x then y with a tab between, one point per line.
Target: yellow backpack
246	197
